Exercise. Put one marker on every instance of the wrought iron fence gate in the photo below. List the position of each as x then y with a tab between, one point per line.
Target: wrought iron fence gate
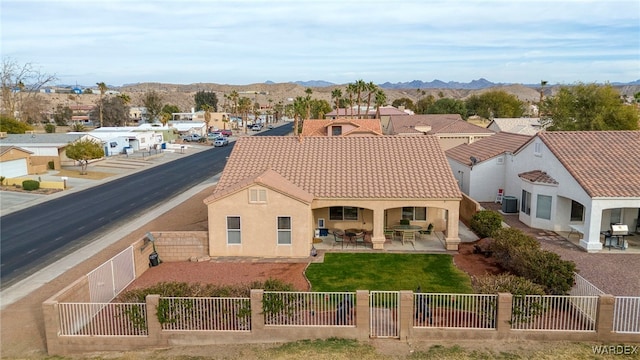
384	308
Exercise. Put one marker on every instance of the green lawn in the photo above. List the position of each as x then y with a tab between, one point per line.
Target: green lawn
358	271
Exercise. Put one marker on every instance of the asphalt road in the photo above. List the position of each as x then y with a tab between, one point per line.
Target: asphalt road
32	238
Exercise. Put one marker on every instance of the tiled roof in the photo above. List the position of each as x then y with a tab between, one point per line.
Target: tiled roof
363	167
487	147
525	126
318	127
384	111
538	176
605	163
440	124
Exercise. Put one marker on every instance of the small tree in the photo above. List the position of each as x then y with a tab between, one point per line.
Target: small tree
83	151
13	126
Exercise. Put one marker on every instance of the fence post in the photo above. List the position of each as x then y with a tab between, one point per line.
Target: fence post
604	317
362	314
154	328
405	316
257	318
503	315
52	327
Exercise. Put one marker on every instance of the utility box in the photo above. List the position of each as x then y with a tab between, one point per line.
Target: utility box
509	204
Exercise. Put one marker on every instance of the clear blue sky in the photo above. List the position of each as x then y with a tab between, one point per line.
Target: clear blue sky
243	42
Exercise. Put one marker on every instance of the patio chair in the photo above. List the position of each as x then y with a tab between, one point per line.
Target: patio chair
359	239
408	236
389	234
338	238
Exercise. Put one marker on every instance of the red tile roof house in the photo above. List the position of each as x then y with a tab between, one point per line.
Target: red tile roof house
577	180
341	127
450	129
274	191
479	167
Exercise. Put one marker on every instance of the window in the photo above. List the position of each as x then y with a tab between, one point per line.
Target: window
543	209
321	223
343	213
537	149
113	144
526	202
616	216
257	195
414	213
284	230
577	211
233	230
336	130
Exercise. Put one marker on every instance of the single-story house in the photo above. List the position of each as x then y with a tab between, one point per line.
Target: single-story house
450	129
341	127
275	191
46	147
384	113
479	167
219	120
116	139
578	180
14	161
524	126
189	127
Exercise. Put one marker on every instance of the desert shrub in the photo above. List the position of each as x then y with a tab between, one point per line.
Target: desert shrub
508	243
2	179
516	285
51	165
49	128
547	269
485	222
31	185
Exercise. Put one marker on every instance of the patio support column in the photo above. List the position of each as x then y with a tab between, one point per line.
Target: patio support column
452	238
377	239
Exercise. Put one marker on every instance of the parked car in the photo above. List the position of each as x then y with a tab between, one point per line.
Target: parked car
192	137
270	126
221	141
256	127
226	132
214	135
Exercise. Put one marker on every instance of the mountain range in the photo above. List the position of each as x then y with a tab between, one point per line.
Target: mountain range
437	84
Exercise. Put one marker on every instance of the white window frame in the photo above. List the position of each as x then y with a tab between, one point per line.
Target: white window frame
537	148
526	202
320	223
540	211
234	231
285	232
257	196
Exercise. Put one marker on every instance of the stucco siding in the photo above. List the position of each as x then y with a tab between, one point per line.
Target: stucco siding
258	225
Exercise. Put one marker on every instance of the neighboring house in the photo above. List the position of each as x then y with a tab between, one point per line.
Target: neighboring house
46	147
450	129
577	180
219	120
189	127
138	114
14	161
524	126
383	113
480	167
275	191
119	138
341	127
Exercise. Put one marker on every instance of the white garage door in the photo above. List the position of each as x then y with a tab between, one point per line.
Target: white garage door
13	168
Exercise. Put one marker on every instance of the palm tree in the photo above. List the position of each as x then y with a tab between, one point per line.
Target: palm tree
351	89
299	110
307	99
360	86
207	114
380	99
126	99
337	94
244	107
371	89
234	101
103	89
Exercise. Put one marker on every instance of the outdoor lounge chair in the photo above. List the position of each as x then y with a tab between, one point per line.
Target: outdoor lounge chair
359	239
408	236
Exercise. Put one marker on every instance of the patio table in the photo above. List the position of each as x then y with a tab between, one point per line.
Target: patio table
406	228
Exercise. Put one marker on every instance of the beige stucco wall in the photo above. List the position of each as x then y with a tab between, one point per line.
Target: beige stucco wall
258	225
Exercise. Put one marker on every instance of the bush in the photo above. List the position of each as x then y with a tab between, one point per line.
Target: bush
50	128
485	222
516	285
508	243
31	185
547	269
51	165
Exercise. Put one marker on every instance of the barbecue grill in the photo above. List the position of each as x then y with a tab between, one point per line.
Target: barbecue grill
617	231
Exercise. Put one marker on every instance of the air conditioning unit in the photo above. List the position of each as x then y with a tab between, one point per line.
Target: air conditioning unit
509	204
